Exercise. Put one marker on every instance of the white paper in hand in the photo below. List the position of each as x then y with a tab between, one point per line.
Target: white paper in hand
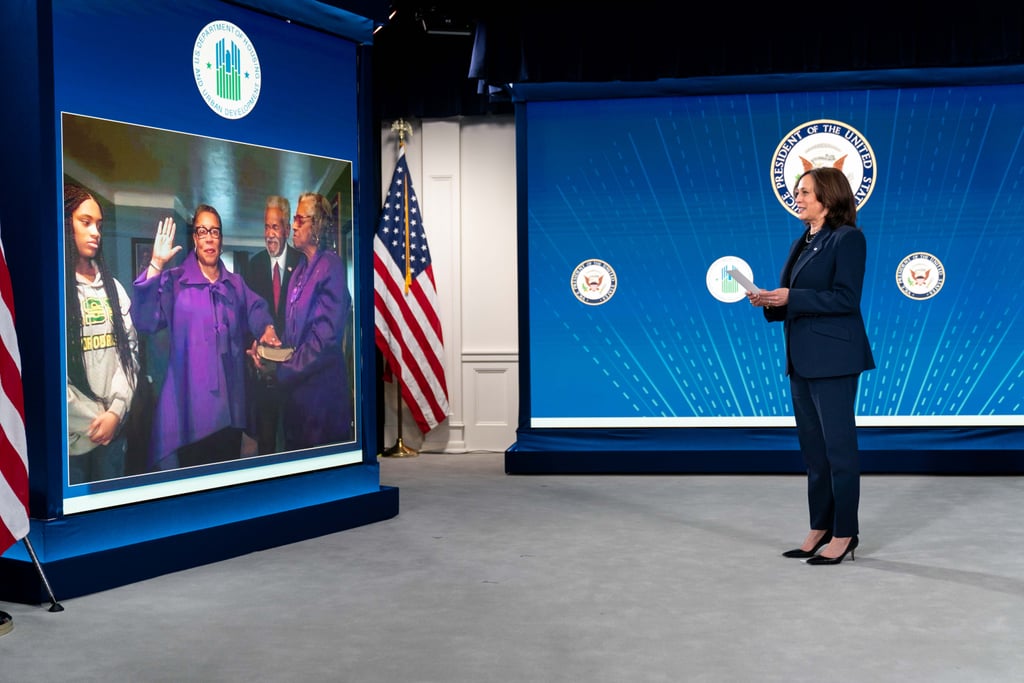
744	281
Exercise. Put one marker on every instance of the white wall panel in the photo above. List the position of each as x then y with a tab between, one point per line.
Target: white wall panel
463	172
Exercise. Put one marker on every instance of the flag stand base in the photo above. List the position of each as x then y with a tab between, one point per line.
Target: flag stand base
6	623
400	450
54	605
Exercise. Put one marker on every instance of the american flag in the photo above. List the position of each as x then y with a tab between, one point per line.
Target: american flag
405	301
13	449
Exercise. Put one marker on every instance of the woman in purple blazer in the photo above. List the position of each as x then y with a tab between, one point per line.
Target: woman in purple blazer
826	350
318	403
210	314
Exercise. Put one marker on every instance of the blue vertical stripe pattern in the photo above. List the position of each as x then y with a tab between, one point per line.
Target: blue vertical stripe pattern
662	187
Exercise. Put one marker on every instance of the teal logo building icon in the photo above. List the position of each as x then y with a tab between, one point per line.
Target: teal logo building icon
227	69
722	285
229	77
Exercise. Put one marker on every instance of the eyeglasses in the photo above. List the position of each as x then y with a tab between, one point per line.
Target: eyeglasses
300	219
203	231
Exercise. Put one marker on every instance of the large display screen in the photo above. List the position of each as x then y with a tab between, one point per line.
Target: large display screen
638	208
191	107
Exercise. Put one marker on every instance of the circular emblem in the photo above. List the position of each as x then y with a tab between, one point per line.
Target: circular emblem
227	69
920	276
823	143
593	282
724	286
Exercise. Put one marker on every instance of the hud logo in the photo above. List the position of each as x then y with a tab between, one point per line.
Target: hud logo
227	69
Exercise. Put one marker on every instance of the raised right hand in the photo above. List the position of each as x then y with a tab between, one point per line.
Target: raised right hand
163	245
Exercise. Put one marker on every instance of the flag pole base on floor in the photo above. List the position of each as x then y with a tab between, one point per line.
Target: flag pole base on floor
400	450
54	605
6	623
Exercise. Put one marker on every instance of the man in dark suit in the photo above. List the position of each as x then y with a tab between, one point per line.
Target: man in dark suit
267	275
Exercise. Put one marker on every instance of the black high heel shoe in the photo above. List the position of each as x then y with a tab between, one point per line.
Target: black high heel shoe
821	559
797	552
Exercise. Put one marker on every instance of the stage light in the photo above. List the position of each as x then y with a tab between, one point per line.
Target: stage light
437	23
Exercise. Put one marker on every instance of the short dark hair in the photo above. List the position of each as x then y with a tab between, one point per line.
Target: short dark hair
204	208
832	188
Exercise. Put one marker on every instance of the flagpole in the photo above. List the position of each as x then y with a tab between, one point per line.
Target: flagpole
14	498
400	450
54	605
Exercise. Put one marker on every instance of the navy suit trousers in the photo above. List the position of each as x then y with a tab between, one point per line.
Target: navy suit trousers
824	410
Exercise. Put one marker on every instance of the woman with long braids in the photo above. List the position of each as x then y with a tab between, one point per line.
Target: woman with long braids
102	356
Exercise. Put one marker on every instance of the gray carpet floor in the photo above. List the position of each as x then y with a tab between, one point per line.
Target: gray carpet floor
488	577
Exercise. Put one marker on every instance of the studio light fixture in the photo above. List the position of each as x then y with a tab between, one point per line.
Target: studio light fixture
438	23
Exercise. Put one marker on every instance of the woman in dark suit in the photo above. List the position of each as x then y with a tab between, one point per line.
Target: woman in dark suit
826	350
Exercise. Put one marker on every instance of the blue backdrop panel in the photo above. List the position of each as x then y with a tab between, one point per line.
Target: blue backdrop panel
661	188
132	63
145	74
138	70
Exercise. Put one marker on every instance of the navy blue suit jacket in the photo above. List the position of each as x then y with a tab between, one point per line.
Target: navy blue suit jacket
825	335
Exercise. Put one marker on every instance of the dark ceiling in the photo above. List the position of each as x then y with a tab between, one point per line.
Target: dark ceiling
426	65
442	59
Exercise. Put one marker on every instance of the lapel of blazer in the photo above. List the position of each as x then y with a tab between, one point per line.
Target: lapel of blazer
259	278
818	246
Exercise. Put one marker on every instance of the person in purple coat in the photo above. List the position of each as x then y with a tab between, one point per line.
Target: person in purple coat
318	396
210	315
